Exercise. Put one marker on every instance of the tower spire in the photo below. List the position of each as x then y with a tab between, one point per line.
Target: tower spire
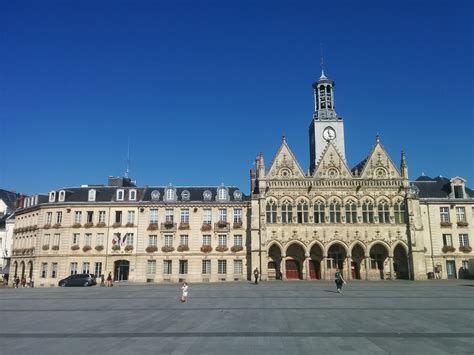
127	170
322	63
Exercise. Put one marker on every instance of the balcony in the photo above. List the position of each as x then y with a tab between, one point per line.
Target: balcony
222	226
168	226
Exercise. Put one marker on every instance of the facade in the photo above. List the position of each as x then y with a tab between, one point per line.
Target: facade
141	234
7	221
306	226
446	209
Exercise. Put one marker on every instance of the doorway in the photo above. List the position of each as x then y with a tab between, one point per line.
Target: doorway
292	270
121	268
451	269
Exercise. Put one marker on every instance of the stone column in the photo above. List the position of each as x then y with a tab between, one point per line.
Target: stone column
306	267
283	267
349	268
323	268
367	266
390	260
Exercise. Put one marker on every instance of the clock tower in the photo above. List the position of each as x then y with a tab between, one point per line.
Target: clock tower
325	126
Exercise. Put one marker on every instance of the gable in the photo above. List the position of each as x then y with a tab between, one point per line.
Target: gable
379	165
285	165
331	165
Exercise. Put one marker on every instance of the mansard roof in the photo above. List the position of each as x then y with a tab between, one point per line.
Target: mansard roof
438	187
9	197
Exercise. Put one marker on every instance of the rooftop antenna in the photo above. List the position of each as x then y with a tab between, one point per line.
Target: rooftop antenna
127	170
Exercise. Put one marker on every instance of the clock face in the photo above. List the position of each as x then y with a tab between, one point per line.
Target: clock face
329	133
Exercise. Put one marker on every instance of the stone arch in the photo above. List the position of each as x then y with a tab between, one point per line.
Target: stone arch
274	260
286	198
358	253
318	198
316	255
15	268
400	261
379	260
385	244
22	269
30	269
350	198
383	198
336	253
294	261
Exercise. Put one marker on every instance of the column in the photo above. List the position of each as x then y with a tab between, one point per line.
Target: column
306	266
283	267
349	268
390	260
323	268
367	267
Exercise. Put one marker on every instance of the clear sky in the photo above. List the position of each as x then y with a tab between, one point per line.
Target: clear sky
201	87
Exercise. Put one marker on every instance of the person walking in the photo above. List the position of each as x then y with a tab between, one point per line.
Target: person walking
17	281
109	280
102	280
184	294
255	274
339	280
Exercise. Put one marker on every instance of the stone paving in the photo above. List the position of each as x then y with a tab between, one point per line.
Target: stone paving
396	317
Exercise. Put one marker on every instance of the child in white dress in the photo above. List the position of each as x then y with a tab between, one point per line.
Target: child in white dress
184	295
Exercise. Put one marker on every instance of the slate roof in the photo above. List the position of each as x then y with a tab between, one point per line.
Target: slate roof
359	167
438	187
9	197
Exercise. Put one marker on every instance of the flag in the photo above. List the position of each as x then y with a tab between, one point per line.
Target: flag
116	238
124	239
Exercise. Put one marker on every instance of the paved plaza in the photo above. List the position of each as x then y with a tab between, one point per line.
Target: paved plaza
398	317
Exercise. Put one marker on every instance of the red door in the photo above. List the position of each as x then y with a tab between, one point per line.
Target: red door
314	270
292	270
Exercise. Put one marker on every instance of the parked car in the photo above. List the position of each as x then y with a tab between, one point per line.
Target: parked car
78	280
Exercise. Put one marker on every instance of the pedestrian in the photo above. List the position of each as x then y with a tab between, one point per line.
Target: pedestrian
102	280
17	281
184	294
109	280
23	281
339	280
255	274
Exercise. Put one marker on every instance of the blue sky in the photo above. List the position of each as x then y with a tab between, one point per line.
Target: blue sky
200	88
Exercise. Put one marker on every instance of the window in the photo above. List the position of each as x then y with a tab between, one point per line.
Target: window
85	268
102	216
153	215
185	195
238	239
461	214
335	212
222	240
222	266
399	210
54	270
238	267
367	213
351	212
120	194
52	196
62	195
384	215
88	239
286	212
169	215
59	217
168	240
91	196
222	194
170	194
131	217
223	214
73	268
99	239
132	195
183	239
183	267
118	216
56	239
444	214
447	240
46	239
302	212
206	266
153	240
75	238
129	237
237	215
458	192
319	212
151	267
44	270
271	210
77	217
98	269
206	240
184	215
206	216
90	216
463	240
49	217
167	267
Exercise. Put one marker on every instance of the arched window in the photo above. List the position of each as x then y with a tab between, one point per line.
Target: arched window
384	213
287	212
367	212
222	194
399	211
302	212
271	210
319	212
351	212
170	194
335	212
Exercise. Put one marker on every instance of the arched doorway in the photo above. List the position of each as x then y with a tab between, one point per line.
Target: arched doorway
335	260
358	256
274	264
22	268
15	267
400	262
30	269
378	260
316	255
121	269
294	262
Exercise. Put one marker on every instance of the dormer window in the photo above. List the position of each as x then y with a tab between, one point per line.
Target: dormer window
35	200
237	195
62	195
222	194
120	194
91	195
52	196
207	195
458	187
132	195
185	195
170	194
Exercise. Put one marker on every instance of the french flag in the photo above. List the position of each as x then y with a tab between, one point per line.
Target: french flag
116	238
124	239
